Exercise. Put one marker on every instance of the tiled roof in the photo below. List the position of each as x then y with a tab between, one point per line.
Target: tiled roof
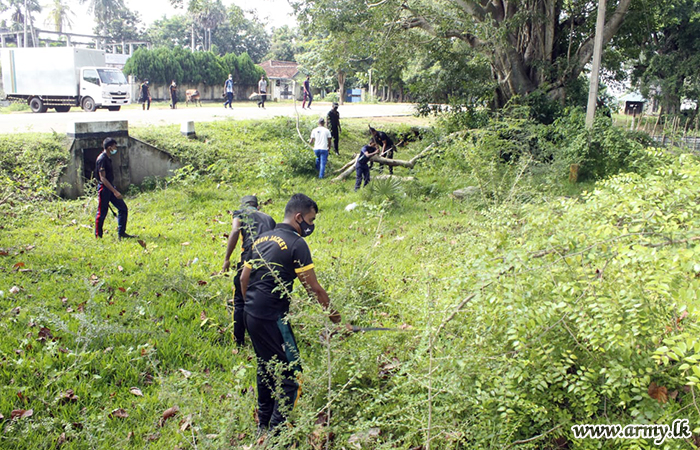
280	69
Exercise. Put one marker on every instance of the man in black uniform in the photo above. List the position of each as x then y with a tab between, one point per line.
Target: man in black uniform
334	124
249	223
279	257
145	95
106	191
385	145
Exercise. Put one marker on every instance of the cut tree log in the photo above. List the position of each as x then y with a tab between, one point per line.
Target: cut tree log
349	168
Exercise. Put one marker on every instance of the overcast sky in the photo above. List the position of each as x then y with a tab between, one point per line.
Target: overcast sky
275	13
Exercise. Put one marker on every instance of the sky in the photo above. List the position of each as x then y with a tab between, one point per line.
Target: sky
275	12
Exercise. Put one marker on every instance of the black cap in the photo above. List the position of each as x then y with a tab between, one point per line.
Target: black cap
335	104
249	200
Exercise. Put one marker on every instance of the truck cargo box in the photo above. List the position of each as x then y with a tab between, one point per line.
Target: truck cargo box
51	71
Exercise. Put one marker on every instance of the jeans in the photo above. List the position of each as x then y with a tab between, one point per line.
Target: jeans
105	196
361	172
229	100
321	159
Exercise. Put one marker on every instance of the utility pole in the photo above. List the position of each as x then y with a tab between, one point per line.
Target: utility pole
595	71
24	42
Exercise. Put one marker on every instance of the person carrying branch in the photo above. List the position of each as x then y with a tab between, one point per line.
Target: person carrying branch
248	223
107	193
385	144
278	258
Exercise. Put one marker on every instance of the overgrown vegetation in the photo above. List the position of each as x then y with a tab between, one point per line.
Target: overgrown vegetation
520	311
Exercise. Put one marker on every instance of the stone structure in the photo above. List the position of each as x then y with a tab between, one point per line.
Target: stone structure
133	163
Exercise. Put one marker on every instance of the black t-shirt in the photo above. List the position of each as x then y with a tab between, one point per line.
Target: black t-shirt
333	120
104	162
278	256
144	90
253	224
382	137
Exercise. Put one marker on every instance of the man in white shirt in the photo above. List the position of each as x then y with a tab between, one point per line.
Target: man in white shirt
321	141
262	90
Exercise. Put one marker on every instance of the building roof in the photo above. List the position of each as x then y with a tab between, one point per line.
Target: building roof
280	69
632	97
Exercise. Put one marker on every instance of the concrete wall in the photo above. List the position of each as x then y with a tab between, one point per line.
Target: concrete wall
206	92
135	160
147	161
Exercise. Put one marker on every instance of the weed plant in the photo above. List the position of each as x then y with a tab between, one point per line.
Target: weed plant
516	314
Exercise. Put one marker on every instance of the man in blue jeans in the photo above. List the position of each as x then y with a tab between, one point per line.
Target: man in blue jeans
321	141
228	90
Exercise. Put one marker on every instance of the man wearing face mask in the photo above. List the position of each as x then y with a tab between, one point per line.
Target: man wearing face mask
278	258
106	191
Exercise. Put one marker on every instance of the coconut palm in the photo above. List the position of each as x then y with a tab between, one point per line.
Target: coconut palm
104	10
59	16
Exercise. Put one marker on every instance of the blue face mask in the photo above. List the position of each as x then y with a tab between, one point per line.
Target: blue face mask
113	152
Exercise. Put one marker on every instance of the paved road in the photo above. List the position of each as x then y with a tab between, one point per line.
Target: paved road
60	122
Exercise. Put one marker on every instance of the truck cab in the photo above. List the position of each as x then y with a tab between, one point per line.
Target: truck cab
103	87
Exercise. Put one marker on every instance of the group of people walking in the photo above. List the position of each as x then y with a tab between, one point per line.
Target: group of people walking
145	95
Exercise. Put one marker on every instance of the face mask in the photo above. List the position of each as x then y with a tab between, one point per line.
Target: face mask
113	152
306	229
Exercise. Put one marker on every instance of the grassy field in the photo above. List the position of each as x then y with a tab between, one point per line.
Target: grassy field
512	319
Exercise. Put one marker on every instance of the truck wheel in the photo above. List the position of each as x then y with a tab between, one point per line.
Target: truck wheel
89	104
37	105
114	108
62	109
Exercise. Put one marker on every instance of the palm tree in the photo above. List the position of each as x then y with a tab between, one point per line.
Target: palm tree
104	10
59	16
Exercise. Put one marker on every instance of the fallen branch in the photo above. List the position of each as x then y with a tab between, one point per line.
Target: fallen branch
534	438
349	168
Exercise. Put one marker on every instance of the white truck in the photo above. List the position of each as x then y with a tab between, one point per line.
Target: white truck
62	77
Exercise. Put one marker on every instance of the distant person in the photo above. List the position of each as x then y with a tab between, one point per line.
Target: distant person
107	193
249	223
307	92
362	163
145	95
385	145
262	90
334	124
279	257
173	95
228	91
321	141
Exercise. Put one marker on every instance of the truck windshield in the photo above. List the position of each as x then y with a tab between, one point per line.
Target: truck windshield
111	76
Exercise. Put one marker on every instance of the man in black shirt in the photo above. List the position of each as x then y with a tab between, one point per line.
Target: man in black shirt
334	125
145	95
385	145
107	192
279	257
249	223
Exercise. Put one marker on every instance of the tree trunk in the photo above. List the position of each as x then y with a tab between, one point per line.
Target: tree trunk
341	87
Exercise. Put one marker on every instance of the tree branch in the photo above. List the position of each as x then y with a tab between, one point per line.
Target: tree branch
585	51
418	21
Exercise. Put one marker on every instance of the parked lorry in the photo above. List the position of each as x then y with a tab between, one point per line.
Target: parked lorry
62	77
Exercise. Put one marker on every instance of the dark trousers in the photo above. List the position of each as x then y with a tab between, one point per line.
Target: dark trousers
105	196
361	172
146	101
388	155
263	97
309	97
238	308
278	362
335	135
229	100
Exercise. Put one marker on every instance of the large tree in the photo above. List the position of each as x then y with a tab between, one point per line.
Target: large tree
530	44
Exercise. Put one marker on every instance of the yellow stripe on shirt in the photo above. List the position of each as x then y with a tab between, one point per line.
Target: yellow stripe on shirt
304	269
